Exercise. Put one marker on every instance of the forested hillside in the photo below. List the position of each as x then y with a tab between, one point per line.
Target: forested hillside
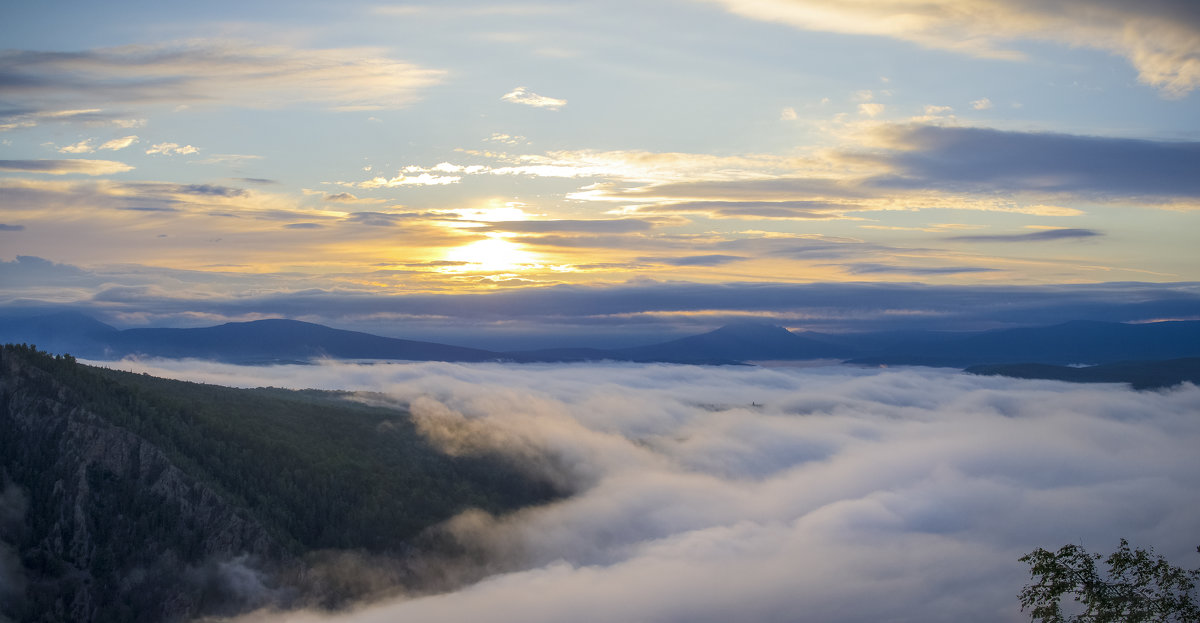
1139	374
132	498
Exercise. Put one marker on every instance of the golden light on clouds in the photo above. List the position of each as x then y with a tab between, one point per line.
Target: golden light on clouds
491	254
495	211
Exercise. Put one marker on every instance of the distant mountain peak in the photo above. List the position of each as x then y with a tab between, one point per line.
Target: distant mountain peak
751	329
271	321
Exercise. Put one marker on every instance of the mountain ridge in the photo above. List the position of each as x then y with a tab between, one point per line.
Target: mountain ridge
282	340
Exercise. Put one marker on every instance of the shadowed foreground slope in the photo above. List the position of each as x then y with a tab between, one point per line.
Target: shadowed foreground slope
132	498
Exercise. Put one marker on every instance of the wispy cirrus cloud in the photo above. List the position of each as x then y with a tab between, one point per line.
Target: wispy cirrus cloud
623	166
1036	236
754	210
69	200
229	159
418	179
65	167
1160	38
715	259
215	72
597	226
117	144
859	268
30	118
522	95
920	166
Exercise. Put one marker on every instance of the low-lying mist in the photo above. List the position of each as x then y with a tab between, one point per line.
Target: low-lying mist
777	494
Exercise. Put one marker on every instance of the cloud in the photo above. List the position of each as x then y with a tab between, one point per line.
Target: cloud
91	209
387	219
620	165
694	260
871	109
230	159
522	95
82	147
597	226
877	269
1037	236
788	114
29	118
341	197
638	311
85	146
775	494
28	270
65	167
215	71
422	179
755	210
118	143
485	10
506	139
1160	38
988	160
981	104
350	198
5	227
171	149
210	190
900	167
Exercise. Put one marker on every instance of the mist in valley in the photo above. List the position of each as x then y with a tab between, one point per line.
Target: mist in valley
772	494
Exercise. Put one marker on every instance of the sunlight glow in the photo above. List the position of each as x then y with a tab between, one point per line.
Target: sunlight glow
492	254
494	211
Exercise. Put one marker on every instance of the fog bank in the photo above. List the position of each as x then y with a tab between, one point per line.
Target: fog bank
756	494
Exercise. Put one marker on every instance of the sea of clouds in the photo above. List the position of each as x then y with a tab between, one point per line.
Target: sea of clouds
745	493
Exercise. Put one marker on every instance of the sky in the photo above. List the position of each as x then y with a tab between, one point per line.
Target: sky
737	493
409	167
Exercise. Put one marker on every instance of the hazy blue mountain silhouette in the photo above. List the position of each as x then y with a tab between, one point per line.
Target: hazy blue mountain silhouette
1075	342
264	341
283	340
59	332
733	343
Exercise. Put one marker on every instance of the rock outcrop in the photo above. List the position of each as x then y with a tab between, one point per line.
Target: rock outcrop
98	524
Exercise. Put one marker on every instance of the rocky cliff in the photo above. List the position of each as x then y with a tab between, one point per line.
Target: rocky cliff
97	524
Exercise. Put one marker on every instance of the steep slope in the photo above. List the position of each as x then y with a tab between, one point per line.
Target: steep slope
132	498
106	515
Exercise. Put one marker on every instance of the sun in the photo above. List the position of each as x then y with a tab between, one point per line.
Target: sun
492	254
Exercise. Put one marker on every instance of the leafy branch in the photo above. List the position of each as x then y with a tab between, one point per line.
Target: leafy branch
1139	587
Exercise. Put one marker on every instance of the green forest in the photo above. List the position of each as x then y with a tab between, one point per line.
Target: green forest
317	471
